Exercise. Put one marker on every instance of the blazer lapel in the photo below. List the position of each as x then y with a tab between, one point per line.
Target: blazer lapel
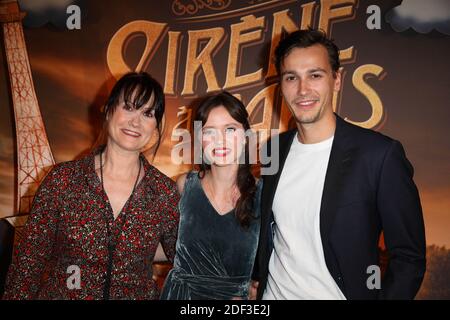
271	181
338	165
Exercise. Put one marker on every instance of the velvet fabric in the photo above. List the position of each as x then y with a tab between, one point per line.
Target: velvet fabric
214	254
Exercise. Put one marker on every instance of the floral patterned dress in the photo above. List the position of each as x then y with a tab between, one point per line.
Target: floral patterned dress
68	227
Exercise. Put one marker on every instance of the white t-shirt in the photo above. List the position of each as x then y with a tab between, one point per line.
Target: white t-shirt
297	268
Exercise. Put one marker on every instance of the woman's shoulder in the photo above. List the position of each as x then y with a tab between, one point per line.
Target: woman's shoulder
67	168
185	178
159	178
181	181
62	175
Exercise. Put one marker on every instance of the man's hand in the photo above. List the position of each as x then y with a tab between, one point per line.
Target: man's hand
252	290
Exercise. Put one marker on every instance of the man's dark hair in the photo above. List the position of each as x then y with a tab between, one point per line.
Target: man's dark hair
305	39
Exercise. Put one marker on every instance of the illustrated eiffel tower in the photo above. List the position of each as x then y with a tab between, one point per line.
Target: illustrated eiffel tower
34	156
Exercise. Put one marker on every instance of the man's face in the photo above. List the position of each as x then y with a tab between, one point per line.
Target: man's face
307	83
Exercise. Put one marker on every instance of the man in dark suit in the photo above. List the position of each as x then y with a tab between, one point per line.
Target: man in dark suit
337	188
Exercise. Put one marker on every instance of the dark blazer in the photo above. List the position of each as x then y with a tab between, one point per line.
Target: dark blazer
368	188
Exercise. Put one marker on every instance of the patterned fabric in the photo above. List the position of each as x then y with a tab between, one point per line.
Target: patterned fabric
67	227
215	255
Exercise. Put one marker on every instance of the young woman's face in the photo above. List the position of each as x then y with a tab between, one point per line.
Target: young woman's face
131	129
223	138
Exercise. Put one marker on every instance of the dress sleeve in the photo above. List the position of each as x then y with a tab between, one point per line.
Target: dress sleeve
36	245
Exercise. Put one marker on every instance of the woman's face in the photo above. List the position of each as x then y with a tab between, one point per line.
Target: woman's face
223	138
131	129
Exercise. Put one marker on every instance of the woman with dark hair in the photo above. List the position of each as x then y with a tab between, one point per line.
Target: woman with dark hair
219	209
96	222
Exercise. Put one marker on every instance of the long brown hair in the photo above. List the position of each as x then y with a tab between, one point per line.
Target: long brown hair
245	180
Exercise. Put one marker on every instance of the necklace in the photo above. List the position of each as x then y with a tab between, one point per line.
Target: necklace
111	243
135	183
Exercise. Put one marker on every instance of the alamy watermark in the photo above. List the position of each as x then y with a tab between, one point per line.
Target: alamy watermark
73	21
374	280
74	280
190	148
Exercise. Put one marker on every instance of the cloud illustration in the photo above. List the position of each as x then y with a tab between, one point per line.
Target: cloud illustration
422	16
42	12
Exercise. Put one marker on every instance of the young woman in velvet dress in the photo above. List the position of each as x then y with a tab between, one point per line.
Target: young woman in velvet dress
219	209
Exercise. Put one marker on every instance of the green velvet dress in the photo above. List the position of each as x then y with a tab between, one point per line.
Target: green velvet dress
214	254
